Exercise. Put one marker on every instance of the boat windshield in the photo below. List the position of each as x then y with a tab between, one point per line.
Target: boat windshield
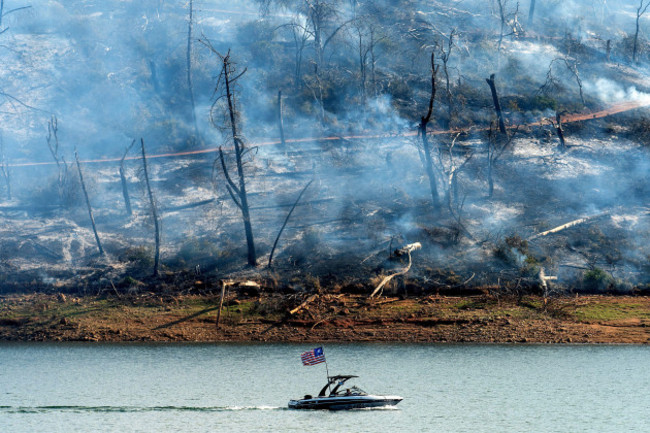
355	390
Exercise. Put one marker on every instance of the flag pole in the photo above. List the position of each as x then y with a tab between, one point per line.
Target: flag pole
328	372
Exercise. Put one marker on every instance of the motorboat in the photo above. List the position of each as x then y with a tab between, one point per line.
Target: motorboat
341	397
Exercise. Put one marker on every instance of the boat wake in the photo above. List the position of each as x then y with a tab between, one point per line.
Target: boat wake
130	409
379	408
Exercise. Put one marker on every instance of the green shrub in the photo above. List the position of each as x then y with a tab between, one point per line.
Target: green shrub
138	257
597	280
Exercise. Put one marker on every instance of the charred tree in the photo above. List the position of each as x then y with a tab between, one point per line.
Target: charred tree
559	130
642	9
572	66
444	56
451	169
154	212
531	13
4	166
53	145
502	17
552	84
226	101
497	105
300	35
281	118
495	147
90	209
190	86
490	161
125	188
365	32
428	161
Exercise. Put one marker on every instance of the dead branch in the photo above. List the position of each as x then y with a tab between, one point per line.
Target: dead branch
286	220
404	250
154	212
497	105
125	190
568	225
90	209
304	304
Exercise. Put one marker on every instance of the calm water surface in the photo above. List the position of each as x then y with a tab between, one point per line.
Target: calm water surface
245	388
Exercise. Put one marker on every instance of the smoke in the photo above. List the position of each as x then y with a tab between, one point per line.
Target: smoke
611	92
116	71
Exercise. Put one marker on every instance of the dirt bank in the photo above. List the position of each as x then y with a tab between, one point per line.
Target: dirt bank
480	319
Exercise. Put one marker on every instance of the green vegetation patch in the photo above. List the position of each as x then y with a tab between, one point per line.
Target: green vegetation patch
609	311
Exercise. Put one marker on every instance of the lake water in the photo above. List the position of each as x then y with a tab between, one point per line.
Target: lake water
245	388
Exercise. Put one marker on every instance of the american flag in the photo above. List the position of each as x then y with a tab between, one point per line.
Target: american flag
313	357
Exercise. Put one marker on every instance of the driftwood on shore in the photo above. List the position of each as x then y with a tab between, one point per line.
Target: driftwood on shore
304	304
405	250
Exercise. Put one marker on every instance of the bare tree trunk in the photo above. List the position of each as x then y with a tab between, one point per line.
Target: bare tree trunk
531	13
497	105
490	162
125	189
154	212
286	220
237	191
90	209
4	166
446	54
241	189
281	118
435	199
190	86
373	76
502	16
53	145
560	131
639	13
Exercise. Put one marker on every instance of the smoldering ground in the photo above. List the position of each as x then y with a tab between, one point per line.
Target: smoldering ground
114	72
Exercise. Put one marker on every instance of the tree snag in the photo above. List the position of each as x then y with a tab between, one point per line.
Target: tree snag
531	13
497	105
643	7
226	100
53	145
90	209
445	54
559	130
190	86
286	220
428	161
4	167
125	189
154	212
281	118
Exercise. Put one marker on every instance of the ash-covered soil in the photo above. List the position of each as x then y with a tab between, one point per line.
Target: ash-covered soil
368	198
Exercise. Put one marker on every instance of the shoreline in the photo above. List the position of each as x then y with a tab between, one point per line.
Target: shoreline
592	319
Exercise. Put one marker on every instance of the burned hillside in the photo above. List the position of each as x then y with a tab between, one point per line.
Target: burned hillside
510	139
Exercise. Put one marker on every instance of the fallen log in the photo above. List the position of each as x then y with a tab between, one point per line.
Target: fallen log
304	304
568	225
404	250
